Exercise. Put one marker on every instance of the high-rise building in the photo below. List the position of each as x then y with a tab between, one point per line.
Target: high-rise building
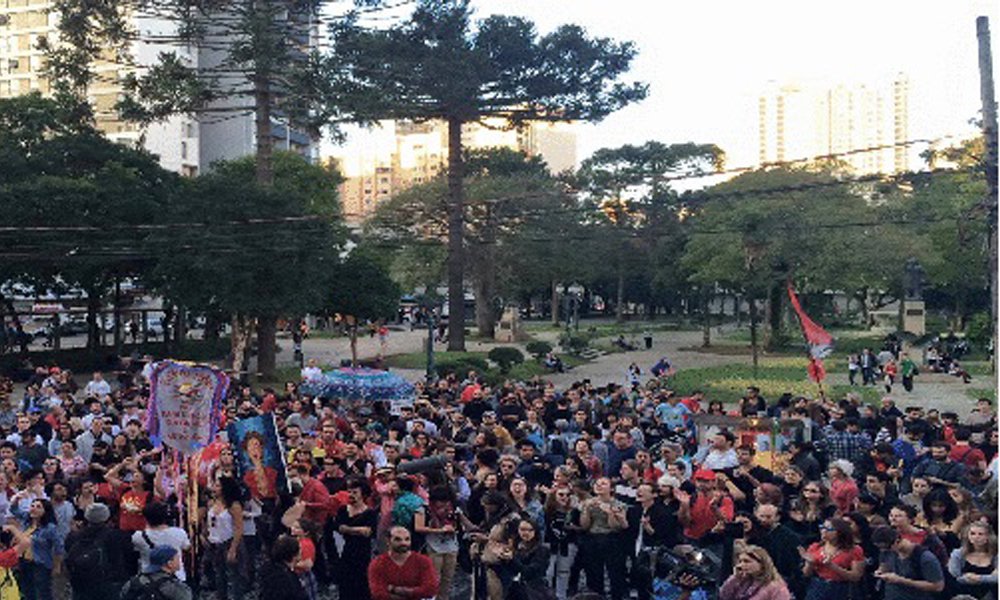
400	154
187	144
864	125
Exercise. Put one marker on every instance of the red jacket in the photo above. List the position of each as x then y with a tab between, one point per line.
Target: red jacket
417	573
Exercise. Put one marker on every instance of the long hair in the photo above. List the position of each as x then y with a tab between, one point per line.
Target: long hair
941	496
527	548
991	539
48	514
768	573
842	527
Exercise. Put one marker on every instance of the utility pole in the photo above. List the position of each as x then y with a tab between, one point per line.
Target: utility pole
990	137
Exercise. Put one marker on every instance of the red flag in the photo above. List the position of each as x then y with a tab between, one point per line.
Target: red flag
820	342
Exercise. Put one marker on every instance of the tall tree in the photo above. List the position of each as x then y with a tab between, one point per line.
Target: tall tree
630	185
438	64
506	193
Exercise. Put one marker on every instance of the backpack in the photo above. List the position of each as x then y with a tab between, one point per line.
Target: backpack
147	587
88	561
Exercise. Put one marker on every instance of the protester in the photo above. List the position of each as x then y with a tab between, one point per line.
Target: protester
159	577
400	572
521	489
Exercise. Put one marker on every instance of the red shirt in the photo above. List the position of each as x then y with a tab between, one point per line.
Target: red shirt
703	518
250	479
651	474
307	551
130	507
416	572
967	455
317	499
843	559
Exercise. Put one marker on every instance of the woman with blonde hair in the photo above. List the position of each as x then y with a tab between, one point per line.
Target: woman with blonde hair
974	564
754	577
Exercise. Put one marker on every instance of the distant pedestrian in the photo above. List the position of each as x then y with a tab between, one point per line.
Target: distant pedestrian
908	371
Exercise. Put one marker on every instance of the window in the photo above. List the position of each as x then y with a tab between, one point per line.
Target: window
184	149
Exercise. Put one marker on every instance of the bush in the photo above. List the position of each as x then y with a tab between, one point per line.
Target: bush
979	330
574	344
461	366
506	357
539	349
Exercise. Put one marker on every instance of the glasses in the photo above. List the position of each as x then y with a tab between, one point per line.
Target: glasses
825	528
811	490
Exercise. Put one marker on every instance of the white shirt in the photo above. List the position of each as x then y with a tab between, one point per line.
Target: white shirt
97	388
310	373
175	537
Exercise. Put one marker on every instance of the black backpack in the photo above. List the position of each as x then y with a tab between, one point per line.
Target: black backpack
88	561
148	587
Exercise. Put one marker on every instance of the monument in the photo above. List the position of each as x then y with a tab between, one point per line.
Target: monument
509	328
912	310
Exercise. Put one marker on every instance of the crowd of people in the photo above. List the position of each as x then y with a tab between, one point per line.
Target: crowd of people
519	490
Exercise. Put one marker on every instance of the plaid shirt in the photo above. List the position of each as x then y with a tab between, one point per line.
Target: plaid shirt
845	445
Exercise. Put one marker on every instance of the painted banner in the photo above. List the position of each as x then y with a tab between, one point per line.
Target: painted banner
260	457
184	405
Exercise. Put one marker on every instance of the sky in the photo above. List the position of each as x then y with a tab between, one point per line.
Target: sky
706	61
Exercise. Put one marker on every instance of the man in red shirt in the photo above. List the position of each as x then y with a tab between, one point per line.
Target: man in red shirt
708	511
400	573
962	452
314	495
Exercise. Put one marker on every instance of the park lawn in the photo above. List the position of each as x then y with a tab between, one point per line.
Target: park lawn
775	376
526	370
977	393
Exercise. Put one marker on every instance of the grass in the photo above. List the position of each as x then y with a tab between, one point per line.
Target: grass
418	360
977	393
774	377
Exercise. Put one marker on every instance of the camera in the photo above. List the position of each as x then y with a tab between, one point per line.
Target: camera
687	563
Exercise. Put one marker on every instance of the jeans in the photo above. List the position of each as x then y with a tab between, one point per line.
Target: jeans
229	578
821	589
35	580
444	564
560	567
604	552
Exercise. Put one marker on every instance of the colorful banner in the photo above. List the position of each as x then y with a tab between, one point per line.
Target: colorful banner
184	405
260	457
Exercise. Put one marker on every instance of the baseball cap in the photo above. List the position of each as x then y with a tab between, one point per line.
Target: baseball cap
704	474
160	555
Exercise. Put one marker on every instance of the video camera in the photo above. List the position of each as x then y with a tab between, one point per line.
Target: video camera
684	563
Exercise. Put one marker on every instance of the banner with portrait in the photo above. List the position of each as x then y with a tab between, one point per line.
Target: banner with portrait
185	404
260	458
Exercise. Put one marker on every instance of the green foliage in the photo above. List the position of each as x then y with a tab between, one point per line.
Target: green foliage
538	348
461	366
281	266
980	330
505	357
574	343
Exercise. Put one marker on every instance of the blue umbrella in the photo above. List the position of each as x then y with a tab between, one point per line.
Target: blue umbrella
359	384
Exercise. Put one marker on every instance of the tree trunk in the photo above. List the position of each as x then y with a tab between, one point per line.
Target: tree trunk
264	167
486	278
555	302
93	329
180	329
119	337
353	332
752	301
774	335
212	326
267	328
706	320
620	302
239	344
456	233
